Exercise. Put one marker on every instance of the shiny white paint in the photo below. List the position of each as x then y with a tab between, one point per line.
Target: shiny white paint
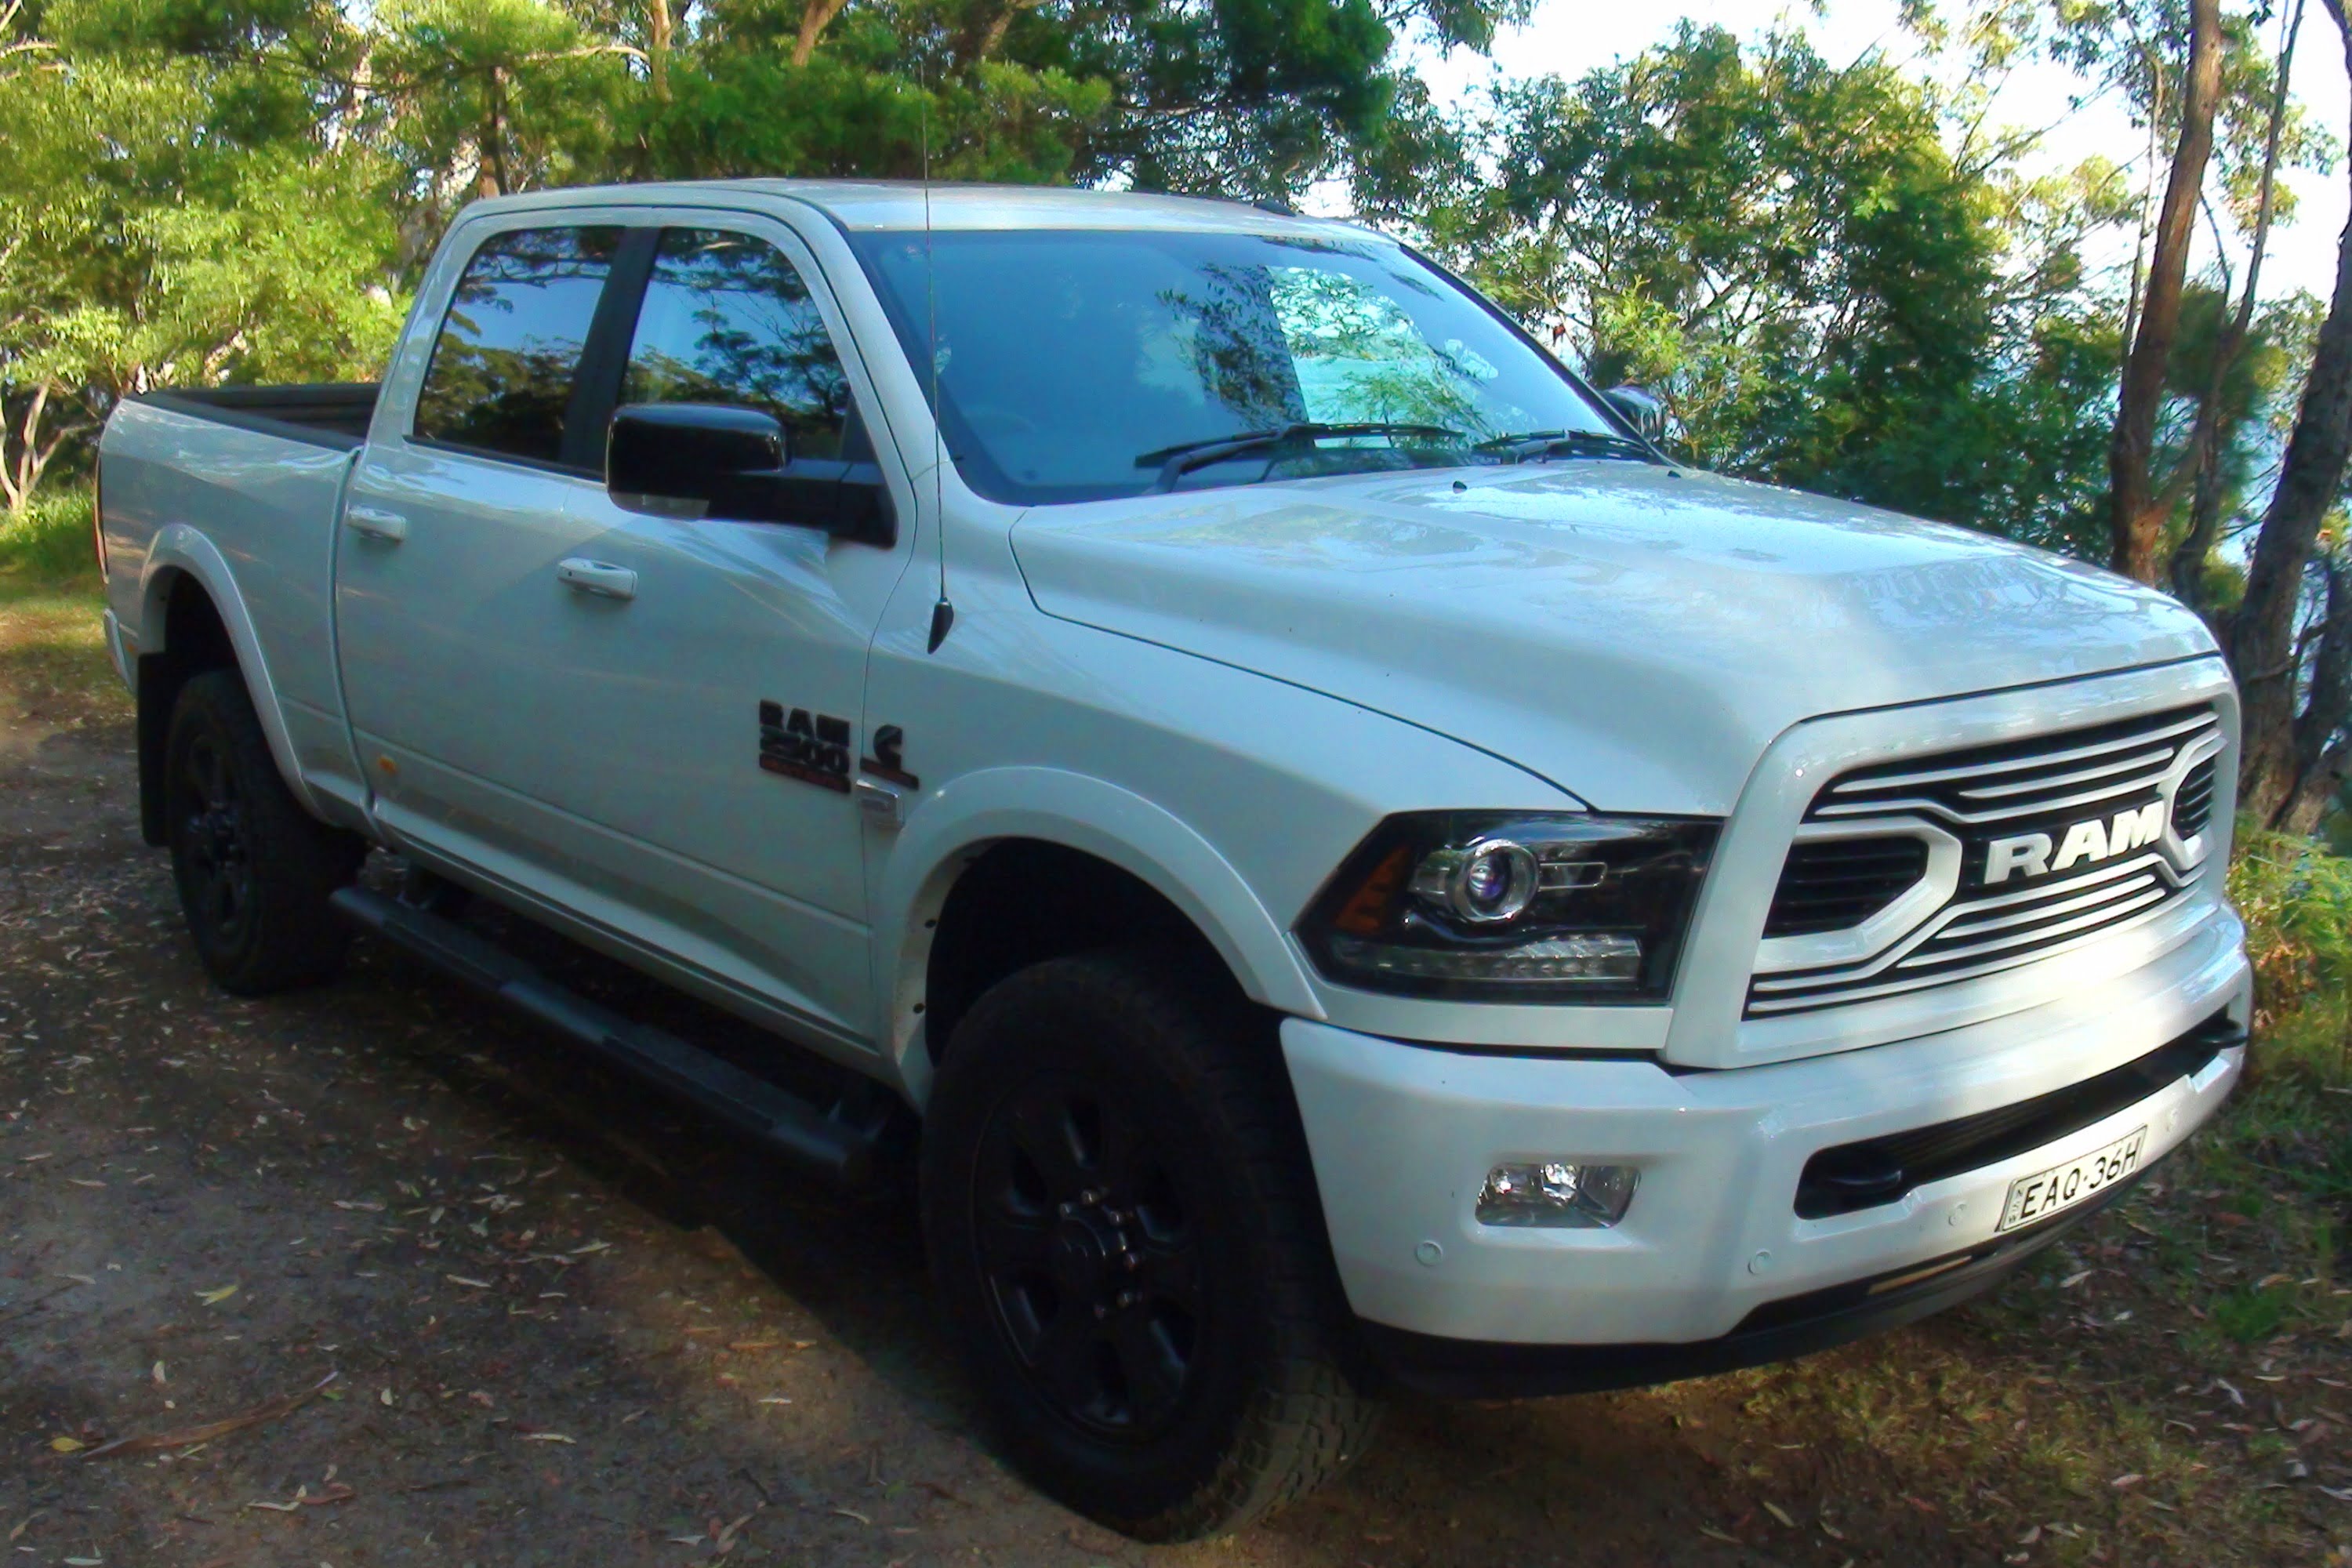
1403	1136
1221	692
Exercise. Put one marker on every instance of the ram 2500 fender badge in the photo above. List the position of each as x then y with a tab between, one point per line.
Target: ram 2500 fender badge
889	761
2084	843
812	748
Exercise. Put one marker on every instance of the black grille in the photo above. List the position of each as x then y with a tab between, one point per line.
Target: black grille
1838	883
1878	1171
2193	808
2106	779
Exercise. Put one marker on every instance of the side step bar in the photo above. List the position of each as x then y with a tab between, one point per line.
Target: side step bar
825	1145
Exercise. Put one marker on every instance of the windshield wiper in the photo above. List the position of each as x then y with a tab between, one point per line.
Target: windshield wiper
1528	446
1174	462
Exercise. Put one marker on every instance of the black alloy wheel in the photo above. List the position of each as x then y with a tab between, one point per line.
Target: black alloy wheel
1092	1267
255	869
1125	1235
217	873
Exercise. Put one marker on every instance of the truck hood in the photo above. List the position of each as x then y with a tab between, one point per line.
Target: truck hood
1633	634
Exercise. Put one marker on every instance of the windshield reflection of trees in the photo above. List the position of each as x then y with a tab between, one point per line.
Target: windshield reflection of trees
1280	346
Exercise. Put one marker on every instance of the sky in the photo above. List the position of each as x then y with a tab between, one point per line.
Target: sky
1569	37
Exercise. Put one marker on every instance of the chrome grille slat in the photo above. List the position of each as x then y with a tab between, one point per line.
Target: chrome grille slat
2049	785
2104	892
2157	759
2080	923
2000	814
1940	775
1760	1006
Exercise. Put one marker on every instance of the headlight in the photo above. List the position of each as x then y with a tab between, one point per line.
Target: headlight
1509	907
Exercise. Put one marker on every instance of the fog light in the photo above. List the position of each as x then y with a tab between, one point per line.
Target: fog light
1554	1192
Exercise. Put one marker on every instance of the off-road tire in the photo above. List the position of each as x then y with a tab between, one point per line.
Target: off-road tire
255	871
1266	1410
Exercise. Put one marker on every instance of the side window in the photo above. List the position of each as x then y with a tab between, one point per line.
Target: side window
500	380
726	319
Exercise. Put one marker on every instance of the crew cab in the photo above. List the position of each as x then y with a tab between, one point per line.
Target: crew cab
1348	866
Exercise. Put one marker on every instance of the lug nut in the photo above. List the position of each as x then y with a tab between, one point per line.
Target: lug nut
1101	1310
1127	1297
1065	1210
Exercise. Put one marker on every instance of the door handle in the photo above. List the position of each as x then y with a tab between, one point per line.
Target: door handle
599	578
376	524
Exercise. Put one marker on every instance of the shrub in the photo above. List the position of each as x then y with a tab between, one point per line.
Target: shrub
50	540
2297	903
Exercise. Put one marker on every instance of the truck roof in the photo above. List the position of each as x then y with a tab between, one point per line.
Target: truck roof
900	205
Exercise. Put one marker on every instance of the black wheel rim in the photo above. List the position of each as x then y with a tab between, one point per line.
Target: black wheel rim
216	868
1090	1258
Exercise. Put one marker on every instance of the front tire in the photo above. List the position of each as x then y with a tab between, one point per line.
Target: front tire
255	871
1123	1228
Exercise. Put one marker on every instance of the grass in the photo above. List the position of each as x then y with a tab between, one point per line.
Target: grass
54	672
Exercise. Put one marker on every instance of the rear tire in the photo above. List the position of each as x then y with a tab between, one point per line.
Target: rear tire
1123	1228
255	871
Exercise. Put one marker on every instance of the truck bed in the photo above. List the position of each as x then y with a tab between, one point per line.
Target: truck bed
322	414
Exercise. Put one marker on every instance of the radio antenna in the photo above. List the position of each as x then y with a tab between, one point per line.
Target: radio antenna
943	612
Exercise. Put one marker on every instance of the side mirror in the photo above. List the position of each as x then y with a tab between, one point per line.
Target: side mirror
1644	410
730	463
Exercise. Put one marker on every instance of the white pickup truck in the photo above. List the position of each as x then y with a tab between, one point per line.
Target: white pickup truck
1366	872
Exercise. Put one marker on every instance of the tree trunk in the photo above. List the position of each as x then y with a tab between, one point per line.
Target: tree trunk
21	474
2321	755
2133	512
493	178
2263	647
2214	428
815	16
657	33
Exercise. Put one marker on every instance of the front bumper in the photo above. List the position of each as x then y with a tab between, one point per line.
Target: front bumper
1404	1135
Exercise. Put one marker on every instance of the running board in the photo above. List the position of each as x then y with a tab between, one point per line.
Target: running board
828	1144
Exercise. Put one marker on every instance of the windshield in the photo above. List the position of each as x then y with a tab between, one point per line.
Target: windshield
1074	365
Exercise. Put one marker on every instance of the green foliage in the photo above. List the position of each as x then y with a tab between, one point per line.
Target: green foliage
48	542
2296	899
1792	256
199	191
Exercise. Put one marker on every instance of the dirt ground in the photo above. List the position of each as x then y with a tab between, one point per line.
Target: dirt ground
524	1314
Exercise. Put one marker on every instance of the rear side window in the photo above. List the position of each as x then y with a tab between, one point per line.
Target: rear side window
726	318
502	369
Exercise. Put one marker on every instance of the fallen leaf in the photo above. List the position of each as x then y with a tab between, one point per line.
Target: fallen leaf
67	1445
156	1371
469	1284
1777	1511
853	1514
215	1298
2132	1478
545	1437
267	1410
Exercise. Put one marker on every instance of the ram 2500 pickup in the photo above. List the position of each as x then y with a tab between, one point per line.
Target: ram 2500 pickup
1356	869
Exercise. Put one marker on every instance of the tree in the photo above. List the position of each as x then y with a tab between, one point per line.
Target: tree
1793	255
2137	510
2292	665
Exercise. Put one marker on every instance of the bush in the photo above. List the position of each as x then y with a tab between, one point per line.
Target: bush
2297	903
50	540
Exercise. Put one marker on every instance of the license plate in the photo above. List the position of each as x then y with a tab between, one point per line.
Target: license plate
2063	1186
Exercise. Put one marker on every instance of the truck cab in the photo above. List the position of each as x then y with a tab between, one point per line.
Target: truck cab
1355	867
